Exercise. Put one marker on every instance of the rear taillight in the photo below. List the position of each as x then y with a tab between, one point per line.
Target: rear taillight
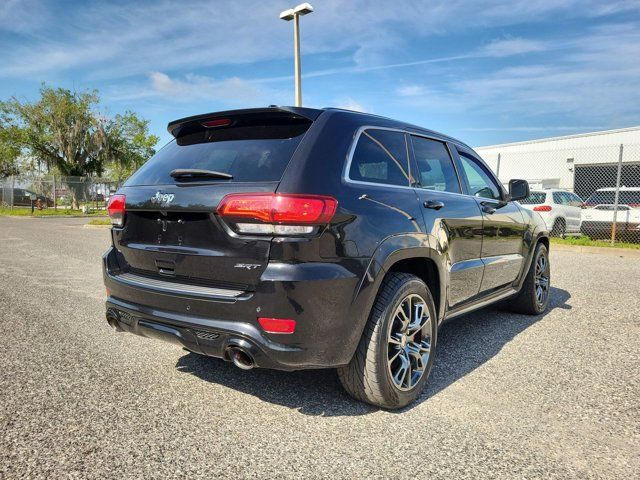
116	209
277	214
542	208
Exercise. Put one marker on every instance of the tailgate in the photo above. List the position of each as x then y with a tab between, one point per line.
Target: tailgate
171	229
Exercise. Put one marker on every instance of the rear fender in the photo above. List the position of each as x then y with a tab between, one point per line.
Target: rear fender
531	239
392	250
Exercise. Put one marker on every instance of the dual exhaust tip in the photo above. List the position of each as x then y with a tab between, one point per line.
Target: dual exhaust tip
239	356
113	319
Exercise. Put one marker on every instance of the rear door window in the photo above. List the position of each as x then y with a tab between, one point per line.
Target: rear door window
534	198
435	166
558	198
254	149
380	156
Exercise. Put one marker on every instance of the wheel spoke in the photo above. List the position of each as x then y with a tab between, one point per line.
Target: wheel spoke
419	352
409	377
416	319
395	356
402	369
402	316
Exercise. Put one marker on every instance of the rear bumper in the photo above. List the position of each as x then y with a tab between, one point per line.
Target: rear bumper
317	295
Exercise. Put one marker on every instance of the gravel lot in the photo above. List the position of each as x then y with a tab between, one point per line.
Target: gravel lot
510	396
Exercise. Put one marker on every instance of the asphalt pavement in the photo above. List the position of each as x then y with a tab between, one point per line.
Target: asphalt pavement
510	396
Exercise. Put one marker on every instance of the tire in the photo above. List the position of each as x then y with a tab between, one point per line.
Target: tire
368	377
528	301
559	228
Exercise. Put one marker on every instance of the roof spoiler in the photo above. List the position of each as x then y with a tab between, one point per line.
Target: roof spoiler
175	127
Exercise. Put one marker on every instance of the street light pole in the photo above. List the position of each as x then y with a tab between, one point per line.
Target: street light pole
295	14
296	61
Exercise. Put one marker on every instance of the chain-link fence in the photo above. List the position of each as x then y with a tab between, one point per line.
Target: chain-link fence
592	191
50	191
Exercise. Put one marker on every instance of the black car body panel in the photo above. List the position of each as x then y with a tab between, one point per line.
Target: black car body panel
179	271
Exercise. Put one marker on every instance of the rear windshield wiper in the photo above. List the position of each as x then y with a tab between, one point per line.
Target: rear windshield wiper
197	173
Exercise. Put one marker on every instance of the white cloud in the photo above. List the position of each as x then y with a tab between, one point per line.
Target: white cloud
593	78
411	91
107	40
507	47
351	104
229	91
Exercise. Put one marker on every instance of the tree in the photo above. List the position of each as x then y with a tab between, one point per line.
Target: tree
64	130
130	145
9	149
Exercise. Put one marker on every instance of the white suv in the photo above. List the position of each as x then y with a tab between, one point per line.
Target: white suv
560	210
597	218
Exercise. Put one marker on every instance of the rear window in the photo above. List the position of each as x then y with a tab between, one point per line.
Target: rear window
535	198
608	198
380	156
251	149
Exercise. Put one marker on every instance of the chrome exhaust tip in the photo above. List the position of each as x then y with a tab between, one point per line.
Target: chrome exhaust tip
113	319
240	358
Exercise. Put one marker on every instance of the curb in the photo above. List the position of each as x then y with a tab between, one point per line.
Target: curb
86	225
54	216
623	252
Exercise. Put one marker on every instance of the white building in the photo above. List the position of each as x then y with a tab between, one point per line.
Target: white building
580	163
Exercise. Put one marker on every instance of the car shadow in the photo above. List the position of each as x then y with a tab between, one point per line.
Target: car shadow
463	345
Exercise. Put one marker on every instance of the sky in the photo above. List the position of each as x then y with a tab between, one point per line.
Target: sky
486	72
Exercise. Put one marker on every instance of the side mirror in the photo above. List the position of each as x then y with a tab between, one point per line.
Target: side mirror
518	189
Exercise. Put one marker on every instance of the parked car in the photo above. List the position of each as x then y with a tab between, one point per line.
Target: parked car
294	238
598	215
22	198
561	210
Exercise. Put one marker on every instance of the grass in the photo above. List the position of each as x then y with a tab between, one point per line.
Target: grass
585	241
47	212
100	221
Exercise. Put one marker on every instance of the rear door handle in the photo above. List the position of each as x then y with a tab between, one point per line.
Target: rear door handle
433	204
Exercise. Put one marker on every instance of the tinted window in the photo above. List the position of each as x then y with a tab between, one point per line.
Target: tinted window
574	200
252	150
435	167
380	157
479	181
535	198
626	197
559	198
568	199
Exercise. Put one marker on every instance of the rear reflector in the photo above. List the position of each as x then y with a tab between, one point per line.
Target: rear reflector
279	209
116	209
277	325
542	208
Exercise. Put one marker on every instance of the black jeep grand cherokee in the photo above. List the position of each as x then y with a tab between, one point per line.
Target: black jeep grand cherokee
294	238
